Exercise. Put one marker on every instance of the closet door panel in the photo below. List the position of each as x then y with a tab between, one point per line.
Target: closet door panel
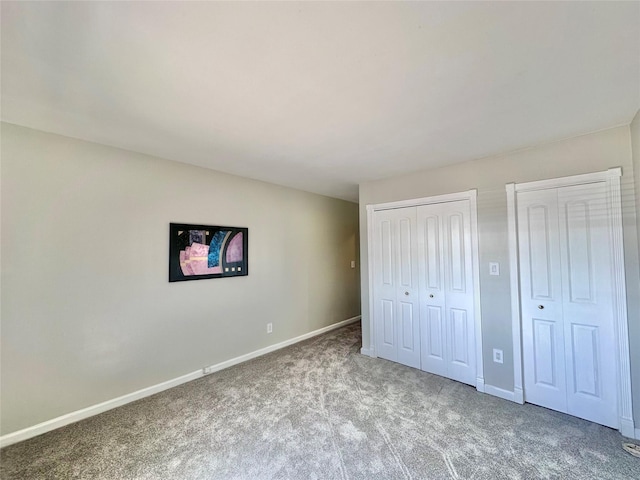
541	300
432	295
408	325
396	322
567	322
446	290
385	284
587	303
459	300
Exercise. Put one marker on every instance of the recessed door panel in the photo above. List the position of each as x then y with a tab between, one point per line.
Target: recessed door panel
435	330
584	346
405	251
544	353
539	252
409	348
406	319
432	253
388	330
459	337
386	262
456	260
579	254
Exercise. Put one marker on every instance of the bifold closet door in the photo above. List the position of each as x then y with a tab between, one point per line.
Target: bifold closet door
566	300
395	278
446	290
541	300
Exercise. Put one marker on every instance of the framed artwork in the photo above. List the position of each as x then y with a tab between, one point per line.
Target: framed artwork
207	251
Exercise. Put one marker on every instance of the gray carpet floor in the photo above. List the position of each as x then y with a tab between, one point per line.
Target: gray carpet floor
320	410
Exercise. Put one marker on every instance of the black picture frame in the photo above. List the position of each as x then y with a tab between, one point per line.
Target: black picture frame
197	252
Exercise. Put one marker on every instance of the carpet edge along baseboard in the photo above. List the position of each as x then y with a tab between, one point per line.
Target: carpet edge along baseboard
76	416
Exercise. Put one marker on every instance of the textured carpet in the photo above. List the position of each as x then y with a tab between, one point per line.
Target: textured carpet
320	410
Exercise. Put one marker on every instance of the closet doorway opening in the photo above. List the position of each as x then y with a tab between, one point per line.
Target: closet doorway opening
569	317
424	285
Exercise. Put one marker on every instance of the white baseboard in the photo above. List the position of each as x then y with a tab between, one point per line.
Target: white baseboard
61	421
499	392
272	348
518	394
367	351
628	429
480	384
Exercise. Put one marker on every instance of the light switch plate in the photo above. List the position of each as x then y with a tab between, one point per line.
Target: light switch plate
498	357
494	268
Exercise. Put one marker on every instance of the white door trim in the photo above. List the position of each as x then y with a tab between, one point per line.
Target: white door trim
612	179
470	195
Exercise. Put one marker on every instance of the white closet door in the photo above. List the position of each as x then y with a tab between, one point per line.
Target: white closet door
446	290
541	300
587	303
459	292
565	278
385	284
396	315
434	358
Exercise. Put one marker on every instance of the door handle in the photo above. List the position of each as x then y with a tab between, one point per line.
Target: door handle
540	307
406	293
431	295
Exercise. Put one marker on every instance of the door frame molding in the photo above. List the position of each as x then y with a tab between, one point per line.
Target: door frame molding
611	178
470	195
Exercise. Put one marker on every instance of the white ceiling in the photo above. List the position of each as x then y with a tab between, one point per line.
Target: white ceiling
320	96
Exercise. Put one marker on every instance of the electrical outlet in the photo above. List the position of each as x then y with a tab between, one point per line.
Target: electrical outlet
269	327
353	264
497	355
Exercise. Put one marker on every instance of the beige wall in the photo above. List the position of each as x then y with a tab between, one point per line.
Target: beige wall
635	327
635	149
87	311
588	153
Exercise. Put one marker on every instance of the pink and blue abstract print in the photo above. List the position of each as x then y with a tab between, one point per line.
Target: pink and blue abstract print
198	251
